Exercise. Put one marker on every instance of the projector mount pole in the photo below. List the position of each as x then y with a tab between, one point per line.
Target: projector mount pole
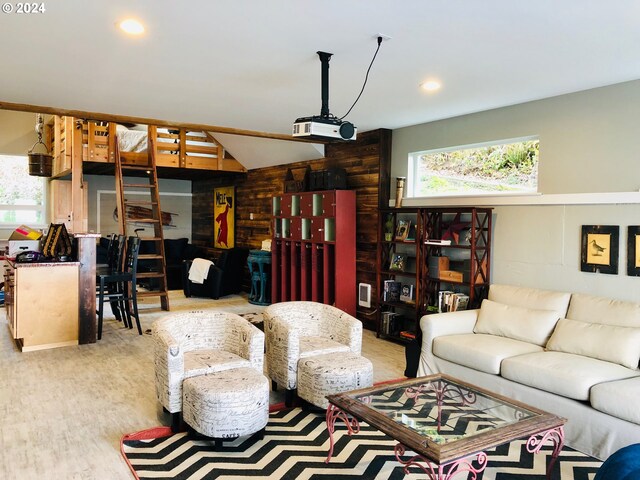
324	59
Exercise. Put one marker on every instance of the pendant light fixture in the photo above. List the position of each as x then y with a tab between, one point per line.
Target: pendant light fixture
40	164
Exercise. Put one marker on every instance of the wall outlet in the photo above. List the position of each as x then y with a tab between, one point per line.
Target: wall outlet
364	295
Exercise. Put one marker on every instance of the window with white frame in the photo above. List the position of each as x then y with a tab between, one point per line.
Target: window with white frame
22	196
492	168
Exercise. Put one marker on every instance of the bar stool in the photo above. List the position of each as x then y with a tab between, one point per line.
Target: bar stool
125	293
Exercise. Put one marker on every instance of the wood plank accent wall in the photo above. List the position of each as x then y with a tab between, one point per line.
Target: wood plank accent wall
367	162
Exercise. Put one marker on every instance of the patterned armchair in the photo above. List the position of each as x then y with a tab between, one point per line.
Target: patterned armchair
201	342
296	330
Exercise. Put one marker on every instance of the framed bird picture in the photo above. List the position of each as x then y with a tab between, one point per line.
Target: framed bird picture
600	245
633	251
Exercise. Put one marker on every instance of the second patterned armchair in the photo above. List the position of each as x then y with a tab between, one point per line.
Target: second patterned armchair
296	330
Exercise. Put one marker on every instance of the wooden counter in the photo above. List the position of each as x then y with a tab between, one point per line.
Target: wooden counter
41	301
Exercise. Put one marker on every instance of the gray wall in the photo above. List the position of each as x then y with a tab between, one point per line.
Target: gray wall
588	144
588	140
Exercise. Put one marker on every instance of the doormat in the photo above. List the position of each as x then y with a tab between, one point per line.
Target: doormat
296	443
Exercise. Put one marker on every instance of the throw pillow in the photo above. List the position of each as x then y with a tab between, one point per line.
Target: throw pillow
604	342
524	324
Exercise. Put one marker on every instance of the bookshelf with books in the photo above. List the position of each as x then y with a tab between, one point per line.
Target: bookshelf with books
457	252
441	264
399	273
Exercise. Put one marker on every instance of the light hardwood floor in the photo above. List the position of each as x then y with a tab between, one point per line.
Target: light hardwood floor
63	411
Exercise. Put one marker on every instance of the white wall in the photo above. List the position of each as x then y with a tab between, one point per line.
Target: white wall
166	186
588	143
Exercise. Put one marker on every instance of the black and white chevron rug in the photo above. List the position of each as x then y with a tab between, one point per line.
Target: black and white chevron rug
295	446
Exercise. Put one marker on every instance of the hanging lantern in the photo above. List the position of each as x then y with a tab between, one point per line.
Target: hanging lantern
40	164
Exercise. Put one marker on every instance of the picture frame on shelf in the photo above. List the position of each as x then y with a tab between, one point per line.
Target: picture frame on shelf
402	230
407	293
398	262
633	250
600	247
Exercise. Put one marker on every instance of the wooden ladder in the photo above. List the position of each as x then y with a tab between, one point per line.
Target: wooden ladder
150	208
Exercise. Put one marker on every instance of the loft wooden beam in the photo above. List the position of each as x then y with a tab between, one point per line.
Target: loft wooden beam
105	117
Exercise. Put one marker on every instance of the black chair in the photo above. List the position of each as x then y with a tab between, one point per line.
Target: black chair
114	257
224	278
125	292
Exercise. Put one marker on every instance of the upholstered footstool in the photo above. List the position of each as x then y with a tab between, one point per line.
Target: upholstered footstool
331	373
226	404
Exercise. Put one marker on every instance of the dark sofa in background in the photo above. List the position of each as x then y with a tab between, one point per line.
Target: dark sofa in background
224	278
176	251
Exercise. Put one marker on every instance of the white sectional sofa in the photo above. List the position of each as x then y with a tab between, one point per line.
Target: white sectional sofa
574	355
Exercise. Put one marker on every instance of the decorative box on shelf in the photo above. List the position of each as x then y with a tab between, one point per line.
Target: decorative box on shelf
451	275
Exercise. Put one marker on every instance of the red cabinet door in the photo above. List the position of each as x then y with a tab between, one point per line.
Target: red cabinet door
306	204
317	229
328	204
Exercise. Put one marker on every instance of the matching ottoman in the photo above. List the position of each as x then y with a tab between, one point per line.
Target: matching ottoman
331	373
227	404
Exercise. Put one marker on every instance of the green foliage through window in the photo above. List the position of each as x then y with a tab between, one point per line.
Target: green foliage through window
487	169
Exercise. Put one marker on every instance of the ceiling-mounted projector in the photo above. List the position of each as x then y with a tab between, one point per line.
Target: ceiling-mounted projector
324	126
319	127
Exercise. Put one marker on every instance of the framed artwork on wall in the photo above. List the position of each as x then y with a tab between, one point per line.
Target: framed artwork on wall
224	212
600	245
633	250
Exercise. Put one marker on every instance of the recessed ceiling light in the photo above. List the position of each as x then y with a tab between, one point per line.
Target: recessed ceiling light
431	85
132	27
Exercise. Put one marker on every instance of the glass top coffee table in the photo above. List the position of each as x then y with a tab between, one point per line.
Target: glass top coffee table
448	423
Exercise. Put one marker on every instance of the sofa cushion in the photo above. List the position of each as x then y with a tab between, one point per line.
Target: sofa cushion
524	324
588	308
562	373
604	342
480	352
619	398
531	298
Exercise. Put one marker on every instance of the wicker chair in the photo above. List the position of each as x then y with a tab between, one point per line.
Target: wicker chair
199	343
297	330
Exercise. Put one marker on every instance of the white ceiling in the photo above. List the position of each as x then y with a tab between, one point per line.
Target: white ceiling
252	64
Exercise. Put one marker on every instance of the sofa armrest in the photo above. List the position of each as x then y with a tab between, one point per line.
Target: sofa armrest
438	325
169	370
283	350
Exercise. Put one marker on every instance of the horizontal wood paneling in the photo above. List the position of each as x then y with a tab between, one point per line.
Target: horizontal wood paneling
367	162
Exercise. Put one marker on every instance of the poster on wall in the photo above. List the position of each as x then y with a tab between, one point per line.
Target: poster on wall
224	217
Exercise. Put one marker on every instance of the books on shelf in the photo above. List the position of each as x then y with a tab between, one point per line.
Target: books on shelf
390	323
391	292
435	241
408	335
449	301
